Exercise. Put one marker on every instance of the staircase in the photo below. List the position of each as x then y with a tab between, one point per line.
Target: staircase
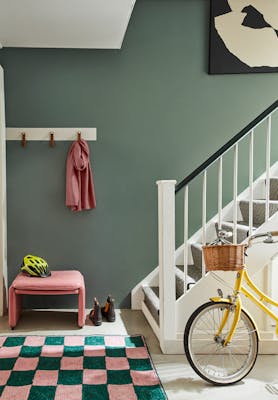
173	290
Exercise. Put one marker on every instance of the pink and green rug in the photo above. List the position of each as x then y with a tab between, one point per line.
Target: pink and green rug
77	368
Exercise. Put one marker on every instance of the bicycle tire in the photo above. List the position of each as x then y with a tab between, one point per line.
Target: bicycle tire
205	352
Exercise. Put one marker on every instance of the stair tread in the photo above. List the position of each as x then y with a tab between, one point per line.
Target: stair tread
151	289
243	223
180	275
245	227
193	273
259	201
197	245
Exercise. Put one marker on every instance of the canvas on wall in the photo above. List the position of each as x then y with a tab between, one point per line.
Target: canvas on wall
243	36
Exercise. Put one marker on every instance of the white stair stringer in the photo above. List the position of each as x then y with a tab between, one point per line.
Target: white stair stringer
259	256
137	295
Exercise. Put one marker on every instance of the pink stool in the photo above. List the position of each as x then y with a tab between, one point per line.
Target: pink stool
60	282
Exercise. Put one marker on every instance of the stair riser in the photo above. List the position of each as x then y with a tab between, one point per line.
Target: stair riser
258	211
151	299
180	280
197	256
273	189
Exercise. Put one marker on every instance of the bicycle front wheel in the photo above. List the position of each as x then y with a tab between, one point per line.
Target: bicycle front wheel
205	350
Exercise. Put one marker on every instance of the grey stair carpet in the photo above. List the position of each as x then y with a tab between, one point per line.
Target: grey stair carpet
258	210
151	293
194	271
180	280
193	274
273	188
242	230
196	249
151	299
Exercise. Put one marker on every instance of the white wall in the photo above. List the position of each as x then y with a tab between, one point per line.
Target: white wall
3	205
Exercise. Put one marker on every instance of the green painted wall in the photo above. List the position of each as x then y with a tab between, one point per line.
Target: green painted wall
158	115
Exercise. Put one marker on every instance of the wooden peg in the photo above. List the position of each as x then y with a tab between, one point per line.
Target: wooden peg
52	143
78	136
23	139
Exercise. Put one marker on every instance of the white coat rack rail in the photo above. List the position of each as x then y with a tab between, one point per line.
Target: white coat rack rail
50	134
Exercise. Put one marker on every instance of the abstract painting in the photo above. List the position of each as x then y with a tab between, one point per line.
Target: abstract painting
243	36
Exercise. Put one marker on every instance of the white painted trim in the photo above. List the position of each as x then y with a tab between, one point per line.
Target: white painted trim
204	208
204	218
220	191
185	237
166	246
150	320
3	202
235	184
69	134
251	179
267	167
266	346
137	295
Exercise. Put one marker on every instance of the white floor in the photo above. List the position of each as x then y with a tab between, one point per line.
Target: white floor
179	380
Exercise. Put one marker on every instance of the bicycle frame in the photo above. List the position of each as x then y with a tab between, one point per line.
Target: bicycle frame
235	300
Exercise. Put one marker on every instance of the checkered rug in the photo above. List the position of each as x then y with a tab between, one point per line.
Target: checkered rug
77	368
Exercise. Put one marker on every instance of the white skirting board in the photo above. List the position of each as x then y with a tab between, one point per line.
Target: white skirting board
69	134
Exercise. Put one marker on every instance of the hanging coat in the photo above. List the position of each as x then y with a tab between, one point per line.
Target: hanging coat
80	193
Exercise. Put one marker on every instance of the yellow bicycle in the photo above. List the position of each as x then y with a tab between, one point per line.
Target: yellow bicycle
220	337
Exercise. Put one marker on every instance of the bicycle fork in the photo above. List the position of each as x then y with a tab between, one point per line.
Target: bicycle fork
235	306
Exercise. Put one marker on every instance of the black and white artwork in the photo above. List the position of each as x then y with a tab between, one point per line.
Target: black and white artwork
243	36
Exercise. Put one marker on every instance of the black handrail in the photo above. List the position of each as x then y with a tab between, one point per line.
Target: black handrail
226	146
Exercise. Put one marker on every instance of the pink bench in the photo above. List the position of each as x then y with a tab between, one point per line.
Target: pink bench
60	282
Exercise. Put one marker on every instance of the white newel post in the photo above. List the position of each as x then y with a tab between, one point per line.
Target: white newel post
3	204
166	244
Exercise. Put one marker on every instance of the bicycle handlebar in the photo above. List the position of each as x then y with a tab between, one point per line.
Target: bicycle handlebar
222	237
268	236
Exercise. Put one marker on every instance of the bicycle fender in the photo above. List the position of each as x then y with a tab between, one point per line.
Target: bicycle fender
221	300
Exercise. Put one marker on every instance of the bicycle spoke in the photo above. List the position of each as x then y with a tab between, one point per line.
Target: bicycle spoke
205	351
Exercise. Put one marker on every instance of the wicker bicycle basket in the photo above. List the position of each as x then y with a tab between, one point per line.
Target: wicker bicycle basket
226	257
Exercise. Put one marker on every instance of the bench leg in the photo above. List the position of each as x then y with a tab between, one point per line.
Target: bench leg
81	307
15	303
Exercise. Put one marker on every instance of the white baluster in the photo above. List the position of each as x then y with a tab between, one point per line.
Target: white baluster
235	193
251	179
267	185
220	189
185	250
204	216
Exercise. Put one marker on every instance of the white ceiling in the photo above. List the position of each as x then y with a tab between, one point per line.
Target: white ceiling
98	24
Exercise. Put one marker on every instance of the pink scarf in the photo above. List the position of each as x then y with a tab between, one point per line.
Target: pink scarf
80	193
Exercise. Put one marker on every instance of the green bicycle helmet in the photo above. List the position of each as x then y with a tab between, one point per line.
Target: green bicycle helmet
35	266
